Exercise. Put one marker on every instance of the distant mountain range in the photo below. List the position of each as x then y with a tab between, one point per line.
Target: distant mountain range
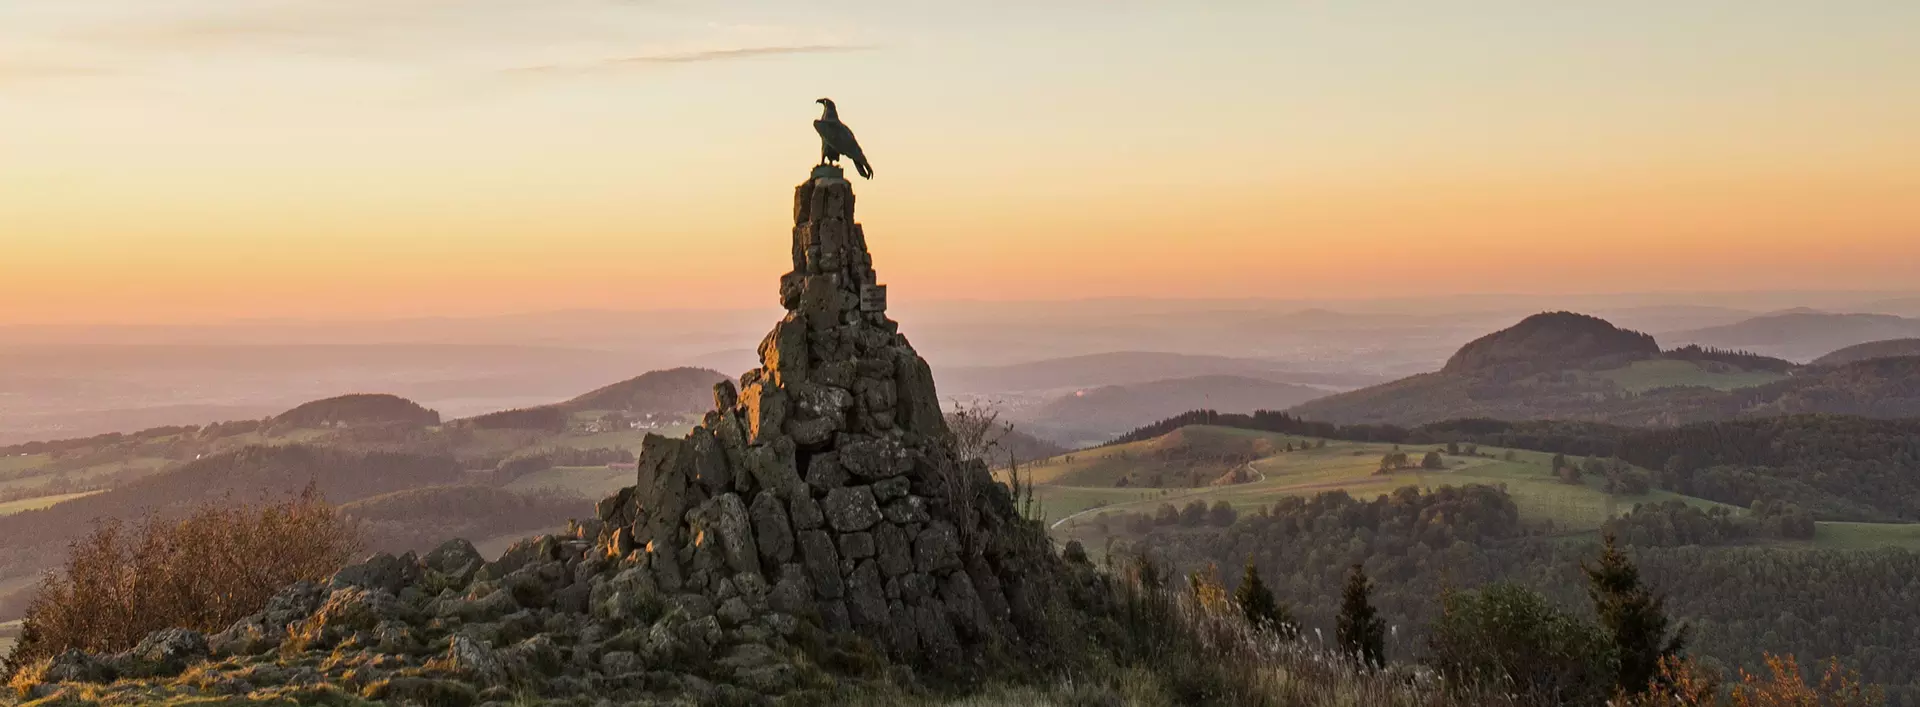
1799	335
1568	366
1097	414
1131	367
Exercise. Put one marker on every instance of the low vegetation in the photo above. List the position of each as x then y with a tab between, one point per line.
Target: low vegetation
202	572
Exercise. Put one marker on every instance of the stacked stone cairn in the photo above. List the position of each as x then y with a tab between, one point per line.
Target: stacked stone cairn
823	496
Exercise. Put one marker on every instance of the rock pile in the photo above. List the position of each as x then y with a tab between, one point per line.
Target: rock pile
822	498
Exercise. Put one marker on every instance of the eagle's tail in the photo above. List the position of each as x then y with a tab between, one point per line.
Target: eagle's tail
860	165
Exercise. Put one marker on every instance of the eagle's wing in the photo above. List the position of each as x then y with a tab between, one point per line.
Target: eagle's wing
827	132
841	140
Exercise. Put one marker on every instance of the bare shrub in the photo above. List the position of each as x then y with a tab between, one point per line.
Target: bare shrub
977	431
219	564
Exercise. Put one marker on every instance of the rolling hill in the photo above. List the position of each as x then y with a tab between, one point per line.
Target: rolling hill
1101	413
1560	365
1891	348
1799	335
358	409
676	391
1553	340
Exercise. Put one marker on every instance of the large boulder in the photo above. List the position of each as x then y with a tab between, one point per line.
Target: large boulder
724	519
851	508
773	533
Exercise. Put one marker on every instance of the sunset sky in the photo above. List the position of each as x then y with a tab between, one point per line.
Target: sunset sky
194	160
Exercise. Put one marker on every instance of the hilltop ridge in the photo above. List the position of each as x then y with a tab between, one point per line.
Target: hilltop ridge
1552	340
1561	365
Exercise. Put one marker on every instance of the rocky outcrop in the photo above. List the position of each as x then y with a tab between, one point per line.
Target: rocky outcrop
820	501
834	455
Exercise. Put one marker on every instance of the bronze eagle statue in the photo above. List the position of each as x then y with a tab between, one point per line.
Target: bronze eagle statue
837	139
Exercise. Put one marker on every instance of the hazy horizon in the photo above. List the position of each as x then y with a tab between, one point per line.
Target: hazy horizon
1756	301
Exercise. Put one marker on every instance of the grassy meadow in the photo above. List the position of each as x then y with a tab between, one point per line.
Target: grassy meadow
1080	486
32	504
589	482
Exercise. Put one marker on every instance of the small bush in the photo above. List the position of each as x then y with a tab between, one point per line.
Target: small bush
1507	634
205	572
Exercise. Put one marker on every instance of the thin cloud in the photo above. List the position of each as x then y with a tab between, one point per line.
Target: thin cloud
17	72
691	58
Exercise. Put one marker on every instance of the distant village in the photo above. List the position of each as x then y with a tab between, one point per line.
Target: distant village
616	421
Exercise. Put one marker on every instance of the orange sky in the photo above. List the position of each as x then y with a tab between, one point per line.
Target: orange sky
214	159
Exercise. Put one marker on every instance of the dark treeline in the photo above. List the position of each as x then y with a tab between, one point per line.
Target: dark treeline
1836	467
548	418
123	440
1743	359
1675	523
1742	602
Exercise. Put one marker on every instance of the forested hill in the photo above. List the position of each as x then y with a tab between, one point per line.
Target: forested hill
1891	348
1573	367
358	409
1552	340
1837	467
670	392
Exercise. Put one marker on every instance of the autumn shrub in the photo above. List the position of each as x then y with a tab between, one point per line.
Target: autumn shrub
203	572
1685	683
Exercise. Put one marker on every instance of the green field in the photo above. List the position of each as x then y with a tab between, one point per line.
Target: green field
125	470
34	504
1859	536
589	482
15	464
1642	376
1348	466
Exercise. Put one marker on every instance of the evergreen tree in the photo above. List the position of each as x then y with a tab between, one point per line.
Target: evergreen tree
1263	612
1633	616
1360	630
1559	461
1432	461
